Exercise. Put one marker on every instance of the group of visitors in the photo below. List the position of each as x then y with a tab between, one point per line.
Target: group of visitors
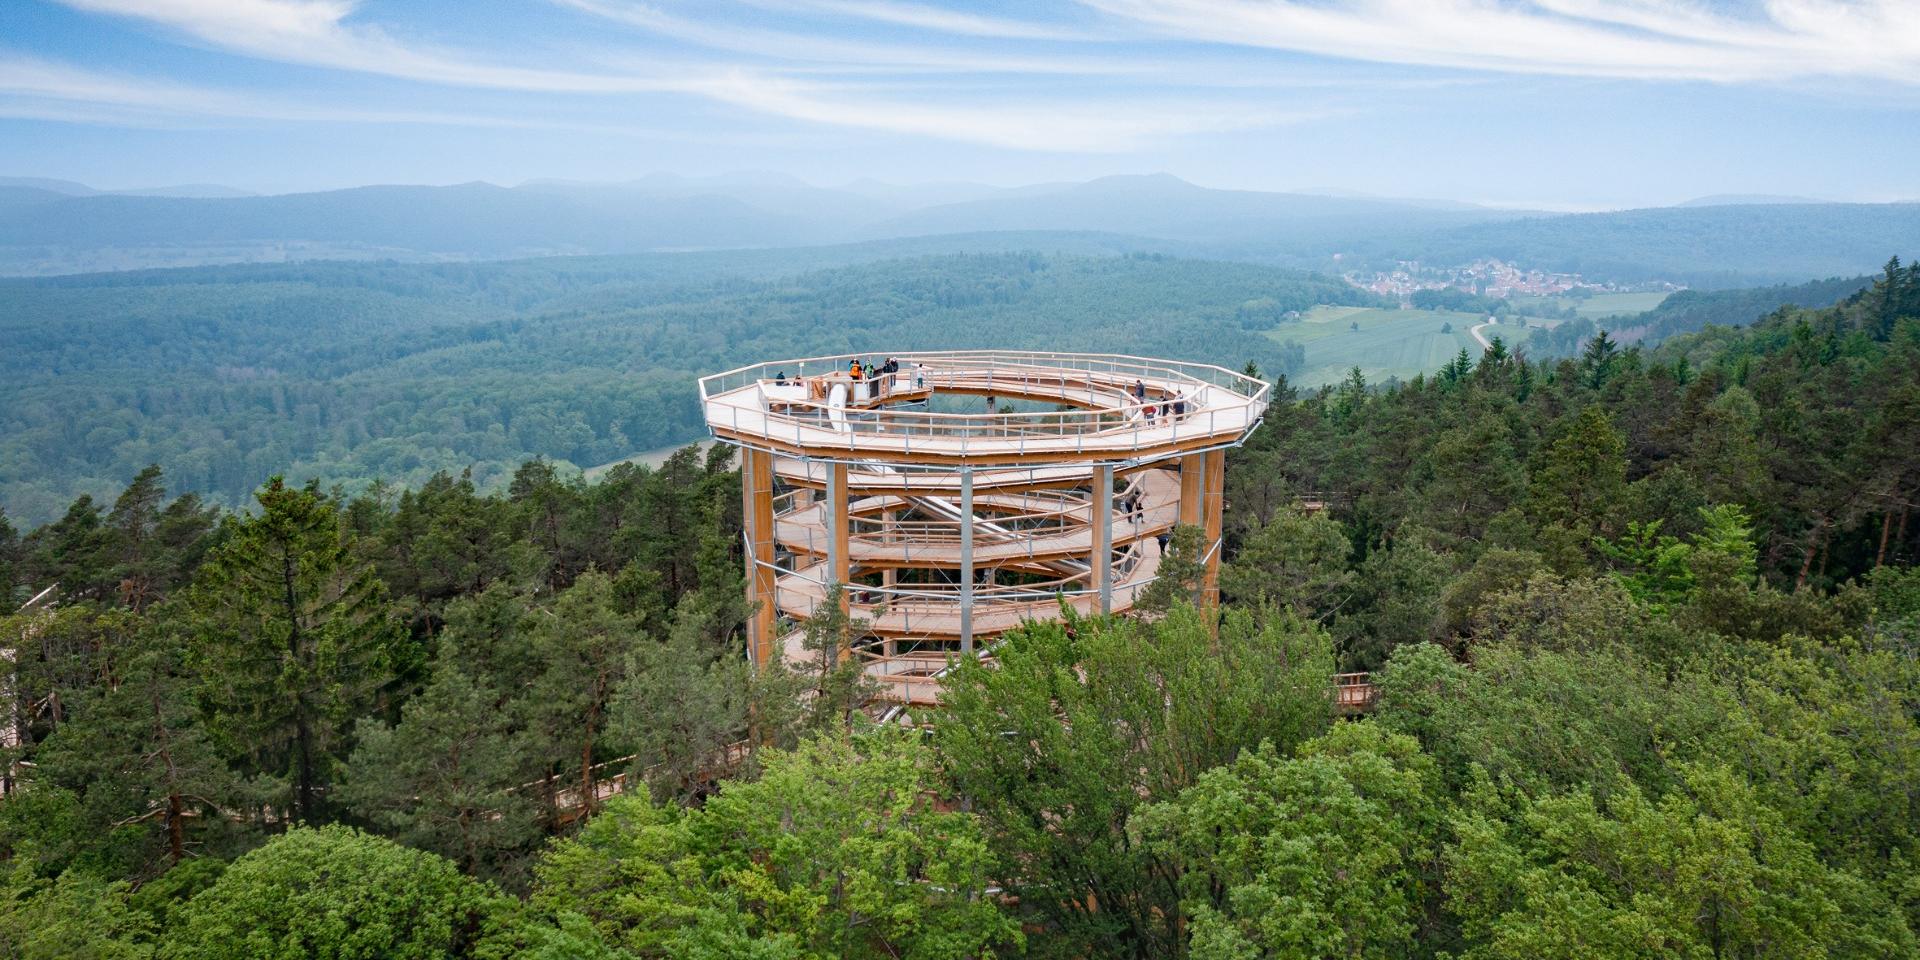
1151	412
860	372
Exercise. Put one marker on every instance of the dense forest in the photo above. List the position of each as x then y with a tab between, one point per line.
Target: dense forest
1687	311
1645	623
1707	247
360	372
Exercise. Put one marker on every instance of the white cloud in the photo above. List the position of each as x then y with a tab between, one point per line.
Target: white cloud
315	33
1092	127
856	55
939	19
320	33
44	89
1649	39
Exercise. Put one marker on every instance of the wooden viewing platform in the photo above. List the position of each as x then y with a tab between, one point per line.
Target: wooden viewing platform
947	522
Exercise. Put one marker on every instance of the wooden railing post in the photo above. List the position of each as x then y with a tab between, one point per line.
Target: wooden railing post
966	561
1102	520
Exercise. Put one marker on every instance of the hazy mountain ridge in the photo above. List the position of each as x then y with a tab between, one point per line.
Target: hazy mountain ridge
1721	246
55	227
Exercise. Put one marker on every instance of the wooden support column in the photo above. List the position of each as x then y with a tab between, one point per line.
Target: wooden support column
837	560
756	490
966	561
1215	503
1102	520
889	576
1193	468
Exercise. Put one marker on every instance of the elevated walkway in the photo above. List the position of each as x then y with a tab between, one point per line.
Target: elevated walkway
945	528
1068	534
1109	408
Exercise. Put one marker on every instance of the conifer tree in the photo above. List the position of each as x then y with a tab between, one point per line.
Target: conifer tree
581	644
447	778
137	753
293	637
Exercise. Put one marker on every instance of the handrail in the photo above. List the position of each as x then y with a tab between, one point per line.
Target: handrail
1173	382
919	596
1112	363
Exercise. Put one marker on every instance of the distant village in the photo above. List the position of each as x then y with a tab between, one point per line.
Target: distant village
1488	278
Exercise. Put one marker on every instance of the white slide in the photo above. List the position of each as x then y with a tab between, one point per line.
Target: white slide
837	407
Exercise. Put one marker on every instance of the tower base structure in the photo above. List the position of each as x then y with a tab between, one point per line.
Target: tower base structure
945	525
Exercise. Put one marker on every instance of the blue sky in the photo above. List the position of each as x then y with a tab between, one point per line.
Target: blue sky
1566	104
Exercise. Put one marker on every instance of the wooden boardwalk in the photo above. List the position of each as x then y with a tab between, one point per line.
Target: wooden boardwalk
804	531
1186	407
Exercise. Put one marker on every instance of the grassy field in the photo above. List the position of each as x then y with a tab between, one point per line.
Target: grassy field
651	458
1388	343
1598	305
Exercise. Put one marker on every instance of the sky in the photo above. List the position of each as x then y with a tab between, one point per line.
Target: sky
1553	104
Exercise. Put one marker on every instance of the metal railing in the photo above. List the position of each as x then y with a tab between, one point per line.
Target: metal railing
1101	388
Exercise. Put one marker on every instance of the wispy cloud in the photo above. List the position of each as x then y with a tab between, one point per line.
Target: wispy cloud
858	56
938	19
316	33
49	90
1774	40
1093	127
320	33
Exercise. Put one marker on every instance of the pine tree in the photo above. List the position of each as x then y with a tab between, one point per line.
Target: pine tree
293	637
1180	571
581	644
9	564
683	702
1597	361
1580	479
1888	299
446	778
137	752
839	687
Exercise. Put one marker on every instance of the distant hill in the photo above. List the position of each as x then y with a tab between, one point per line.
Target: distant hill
1744	199
1717	247
197	191
61	187
56	227
1161	205
16	194
1687	311
73	189
474	220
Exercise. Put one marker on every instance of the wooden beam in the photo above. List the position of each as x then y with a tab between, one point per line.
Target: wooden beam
1193	470
1215	502
966	561
756	490
838	555
1102	522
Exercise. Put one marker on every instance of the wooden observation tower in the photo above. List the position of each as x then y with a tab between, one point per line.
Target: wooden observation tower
947	525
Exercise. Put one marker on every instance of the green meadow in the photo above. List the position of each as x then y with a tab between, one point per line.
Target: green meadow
1387	343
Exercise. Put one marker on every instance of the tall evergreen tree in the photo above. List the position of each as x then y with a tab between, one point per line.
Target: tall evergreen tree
581	644
140	757
294	637
448	777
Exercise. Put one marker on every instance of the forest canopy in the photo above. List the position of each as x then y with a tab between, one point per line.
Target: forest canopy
360	372
1644	625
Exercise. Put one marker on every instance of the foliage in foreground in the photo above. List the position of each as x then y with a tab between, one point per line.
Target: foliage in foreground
1644	630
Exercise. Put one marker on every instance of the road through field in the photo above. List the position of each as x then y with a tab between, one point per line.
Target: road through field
1485	344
